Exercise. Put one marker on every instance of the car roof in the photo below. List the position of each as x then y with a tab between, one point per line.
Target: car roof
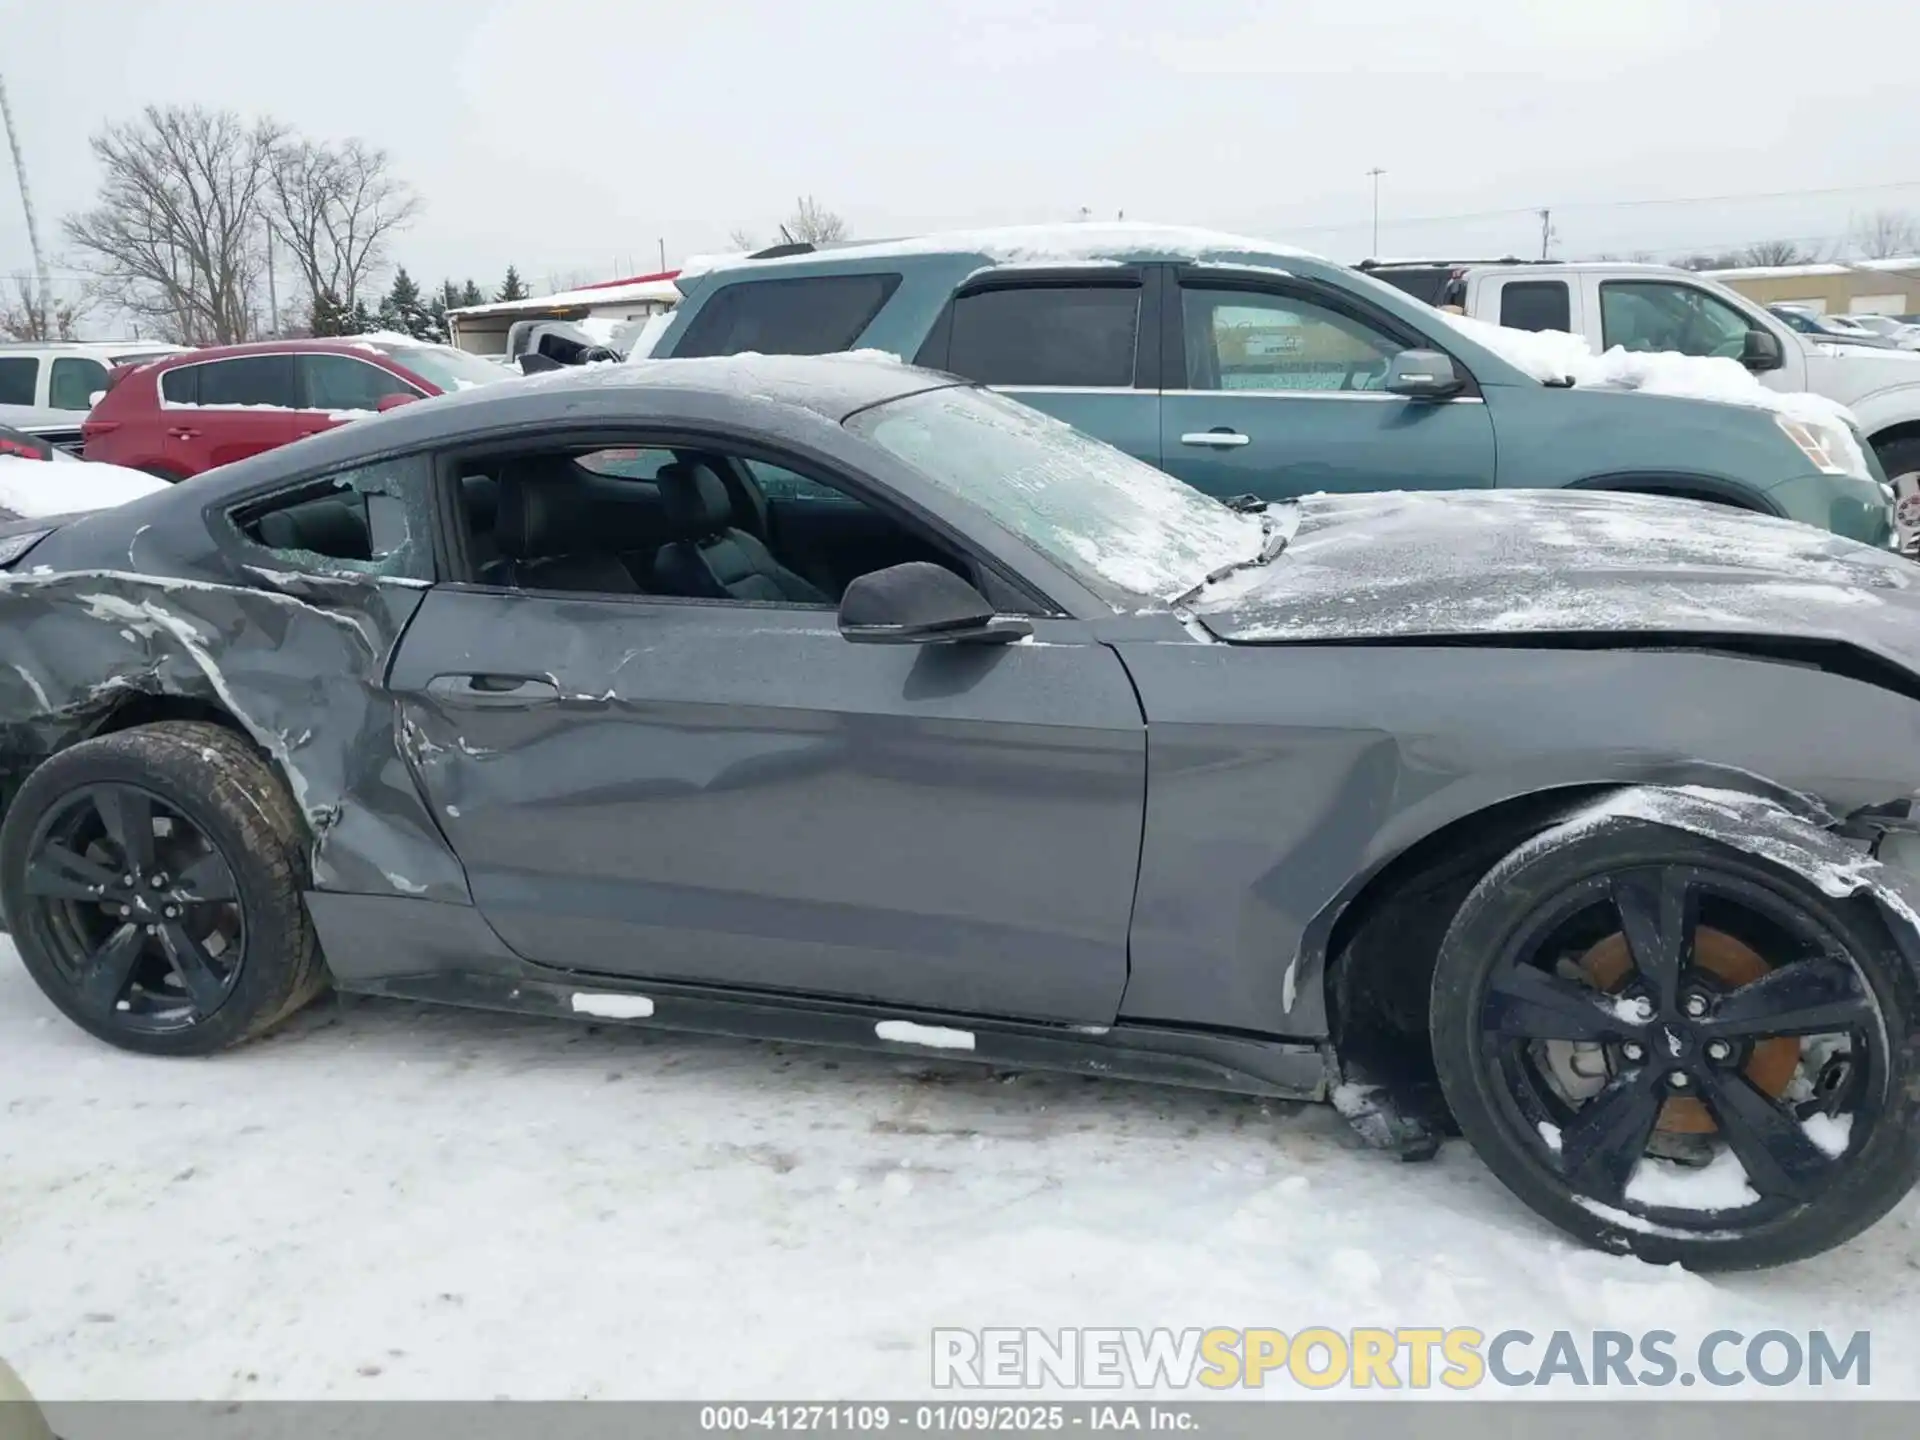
329	345
89	347
763	390
1026	244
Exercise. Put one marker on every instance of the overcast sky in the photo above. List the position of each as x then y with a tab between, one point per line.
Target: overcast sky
572	136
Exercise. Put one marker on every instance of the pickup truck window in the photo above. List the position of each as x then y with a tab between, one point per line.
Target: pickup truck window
1082	336
18	376
1240	340
1662	315
1535	305
816	315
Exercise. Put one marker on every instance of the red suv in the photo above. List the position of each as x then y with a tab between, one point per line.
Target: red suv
189	412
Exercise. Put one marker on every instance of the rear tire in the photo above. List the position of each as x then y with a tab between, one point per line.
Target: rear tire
1509	988
184	942
1901	460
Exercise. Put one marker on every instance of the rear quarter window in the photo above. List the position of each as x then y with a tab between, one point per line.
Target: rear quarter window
1075	336
811	315
1535	305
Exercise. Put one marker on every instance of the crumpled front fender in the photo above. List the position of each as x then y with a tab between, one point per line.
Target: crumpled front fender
1766	829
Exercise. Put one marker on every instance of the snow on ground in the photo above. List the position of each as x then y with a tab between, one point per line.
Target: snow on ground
395	1201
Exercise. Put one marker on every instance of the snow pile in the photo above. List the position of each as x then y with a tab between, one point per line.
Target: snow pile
32	488
1556	357
1721	1184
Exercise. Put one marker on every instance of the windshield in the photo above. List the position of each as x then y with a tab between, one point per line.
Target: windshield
449	369
1114	522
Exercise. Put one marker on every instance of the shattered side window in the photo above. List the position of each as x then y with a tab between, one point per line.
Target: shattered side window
373	520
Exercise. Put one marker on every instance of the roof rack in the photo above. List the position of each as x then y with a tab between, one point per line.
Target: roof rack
1453	264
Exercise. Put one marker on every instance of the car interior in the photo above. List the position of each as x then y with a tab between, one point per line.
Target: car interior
687	523
693	524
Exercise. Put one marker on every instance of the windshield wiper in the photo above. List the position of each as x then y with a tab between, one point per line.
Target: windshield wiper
1245	504
1273	539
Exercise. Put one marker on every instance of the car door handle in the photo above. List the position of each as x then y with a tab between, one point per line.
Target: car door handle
1218	439
183	432
494	689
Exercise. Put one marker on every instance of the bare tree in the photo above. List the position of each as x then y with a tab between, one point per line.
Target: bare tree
1774	252
26	318
335	208
1887	233
812	223
176	238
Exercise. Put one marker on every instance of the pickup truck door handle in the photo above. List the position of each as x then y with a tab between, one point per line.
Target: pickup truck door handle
183	432
494	689
1222	439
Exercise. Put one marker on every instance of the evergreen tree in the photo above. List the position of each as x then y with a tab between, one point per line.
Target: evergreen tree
360	320
514	288
403	310
438	330
329	316
450	296
470	294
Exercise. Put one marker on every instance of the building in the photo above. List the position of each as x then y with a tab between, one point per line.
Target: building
610	311
1854	287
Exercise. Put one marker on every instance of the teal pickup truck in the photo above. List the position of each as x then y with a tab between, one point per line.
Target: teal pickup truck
1243	367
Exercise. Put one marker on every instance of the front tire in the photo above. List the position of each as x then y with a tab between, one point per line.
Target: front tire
152	881
1901	460
1666	1047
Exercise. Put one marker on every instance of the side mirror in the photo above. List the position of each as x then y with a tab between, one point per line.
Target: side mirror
1423	375
393	402
921	603
1762	351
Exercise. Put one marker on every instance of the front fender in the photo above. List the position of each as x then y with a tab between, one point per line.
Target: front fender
1765	829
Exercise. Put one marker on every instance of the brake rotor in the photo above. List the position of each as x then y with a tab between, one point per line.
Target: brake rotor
1772	1063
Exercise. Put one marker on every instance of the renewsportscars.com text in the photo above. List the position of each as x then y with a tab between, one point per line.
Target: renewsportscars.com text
1392	1358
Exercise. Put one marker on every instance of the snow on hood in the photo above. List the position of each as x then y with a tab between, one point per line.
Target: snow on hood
1086	240
1417	565
32	488
1554	357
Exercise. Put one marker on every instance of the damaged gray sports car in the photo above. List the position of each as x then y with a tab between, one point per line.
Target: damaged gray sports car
835	700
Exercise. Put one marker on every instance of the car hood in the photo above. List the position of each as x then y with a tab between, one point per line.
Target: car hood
1406	565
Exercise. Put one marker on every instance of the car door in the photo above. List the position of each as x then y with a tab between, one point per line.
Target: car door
334	388
1078	342
1280	394
225	410
732	794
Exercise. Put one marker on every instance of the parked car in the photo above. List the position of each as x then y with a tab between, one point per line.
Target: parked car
66	375
1656	307
1906	336
60	428
187	413
1808	322
1244	368
975	738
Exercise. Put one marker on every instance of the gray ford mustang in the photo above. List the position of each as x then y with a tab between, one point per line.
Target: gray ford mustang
831	699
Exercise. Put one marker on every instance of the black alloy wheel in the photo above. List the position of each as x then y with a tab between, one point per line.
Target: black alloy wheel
153	883
136	908
1667	1047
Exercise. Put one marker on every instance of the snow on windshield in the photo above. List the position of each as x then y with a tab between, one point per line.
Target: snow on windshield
1117	523
32	488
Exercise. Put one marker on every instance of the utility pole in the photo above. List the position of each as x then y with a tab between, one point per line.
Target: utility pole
273	293
663	252
1546	232
1375	175
26	204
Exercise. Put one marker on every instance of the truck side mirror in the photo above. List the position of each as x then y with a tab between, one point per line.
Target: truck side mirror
1762	351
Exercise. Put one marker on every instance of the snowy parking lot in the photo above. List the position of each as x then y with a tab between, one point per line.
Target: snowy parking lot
391	1201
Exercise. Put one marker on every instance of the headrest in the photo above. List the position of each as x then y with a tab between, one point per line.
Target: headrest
694	499
544	510
482	496
326	527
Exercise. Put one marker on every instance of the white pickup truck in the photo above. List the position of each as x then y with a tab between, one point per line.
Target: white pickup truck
1656	307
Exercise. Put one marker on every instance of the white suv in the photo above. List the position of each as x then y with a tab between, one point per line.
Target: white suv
66	374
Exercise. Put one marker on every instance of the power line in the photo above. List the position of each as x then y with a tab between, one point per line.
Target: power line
1619	205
